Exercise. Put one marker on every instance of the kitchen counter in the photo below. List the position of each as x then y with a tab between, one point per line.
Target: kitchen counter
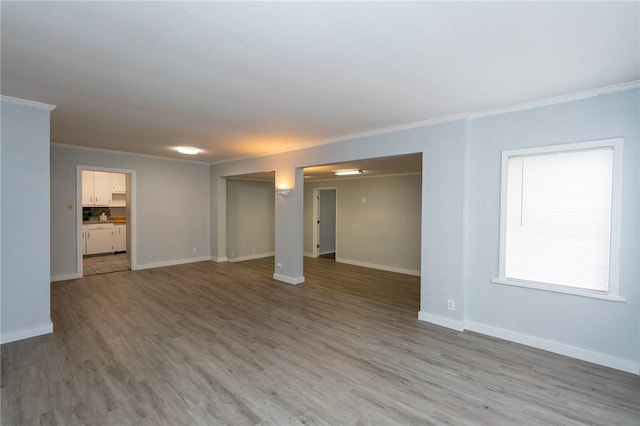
95	221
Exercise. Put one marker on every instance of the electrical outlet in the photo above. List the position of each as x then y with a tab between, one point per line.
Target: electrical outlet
279	266
451	305
195	250
253	251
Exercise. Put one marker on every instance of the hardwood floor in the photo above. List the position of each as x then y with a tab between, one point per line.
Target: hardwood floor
209	343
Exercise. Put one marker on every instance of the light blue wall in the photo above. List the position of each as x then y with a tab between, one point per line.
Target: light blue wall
595	325
25	222
251	219
173	206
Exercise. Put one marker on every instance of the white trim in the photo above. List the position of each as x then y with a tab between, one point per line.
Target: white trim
575	291
173	262
65	277
599	358
379	267
586	94
288	280
133	154
441	321
307	254
26	102
251	257
219	259
26	333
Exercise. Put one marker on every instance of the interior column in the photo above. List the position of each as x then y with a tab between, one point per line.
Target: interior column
289	226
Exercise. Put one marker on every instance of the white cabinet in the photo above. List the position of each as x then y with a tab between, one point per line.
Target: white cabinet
120	237
84	240
99	238
96	188
118	183
87	188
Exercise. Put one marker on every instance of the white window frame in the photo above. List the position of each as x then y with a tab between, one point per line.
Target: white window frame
616	214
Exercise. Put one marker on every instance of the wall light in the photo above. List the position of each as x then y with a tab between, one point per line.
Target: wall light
187	150
283	192
348	172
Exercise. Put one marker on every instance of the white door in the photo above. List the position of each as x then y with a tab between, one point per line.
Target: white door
326	219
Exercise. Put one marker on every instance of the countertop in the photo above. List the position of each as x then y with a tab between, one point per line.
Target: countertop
99	222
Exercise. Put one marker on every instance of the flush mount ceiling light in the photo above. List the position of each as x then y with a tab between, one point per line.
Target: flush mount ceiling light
187	150
348	172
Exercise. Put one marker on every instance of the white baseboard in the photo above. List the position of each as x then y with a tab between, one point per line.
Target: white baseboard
26	333
251	257
219	259
307	254
380	267
288	280
172	262
65	277
559	348
441	321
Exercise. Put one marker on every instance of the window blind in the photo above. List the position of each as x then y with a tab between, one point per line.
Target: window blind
558	225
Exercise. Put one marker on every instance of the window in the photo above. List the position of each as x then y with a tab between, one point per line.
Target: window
560	218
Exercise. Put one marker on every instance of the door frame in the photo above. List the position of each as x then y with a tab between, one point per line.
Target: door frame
316	217
131	217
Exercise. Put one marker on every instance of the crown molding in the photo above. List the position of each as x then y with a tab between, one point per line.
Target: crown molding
450	118
413	125
586	94
131	154
375	132
25	102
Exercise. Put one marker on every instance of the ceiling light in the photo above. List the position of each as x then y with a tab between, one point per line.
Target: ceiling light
348	172
187	150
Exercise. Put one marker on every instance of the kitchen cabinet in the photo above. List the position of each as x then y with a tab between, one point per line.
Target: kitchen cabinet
84	241
96	188
118	183
99	238
120	237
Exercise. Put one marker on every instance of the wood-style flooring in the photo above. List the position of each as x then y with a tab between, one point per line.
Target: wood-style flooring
208	344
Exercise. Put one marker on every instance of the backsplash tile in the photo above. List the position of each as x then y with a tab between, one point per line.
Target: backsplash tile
92	213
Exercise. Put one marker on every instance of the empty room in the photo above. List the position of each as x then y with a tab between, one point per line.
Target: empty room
332	213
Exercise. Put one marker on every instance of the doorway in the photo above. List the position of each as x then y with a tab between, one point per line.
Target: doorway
325	219
106	225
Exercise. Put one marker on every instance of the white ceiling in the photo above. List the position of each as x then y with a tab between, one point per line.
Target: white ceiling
239	79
